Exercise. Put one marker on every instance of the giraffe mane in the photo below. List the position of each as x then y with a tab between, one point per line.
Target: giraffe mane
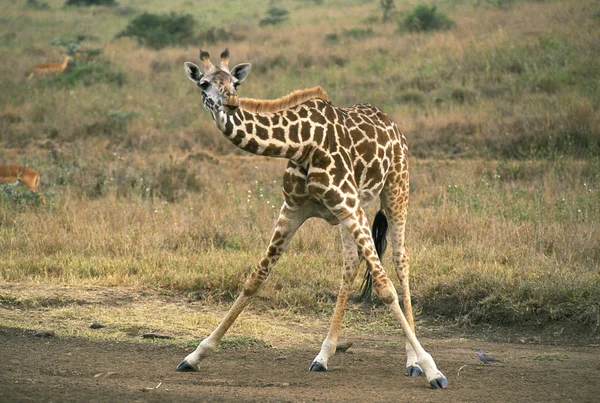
289	101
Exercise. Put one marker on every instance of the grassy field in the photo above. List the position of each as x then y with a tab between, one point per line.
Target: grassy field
501	114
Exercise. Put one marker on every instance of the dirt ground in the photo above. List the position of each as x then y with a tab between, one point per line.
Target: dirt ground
65	369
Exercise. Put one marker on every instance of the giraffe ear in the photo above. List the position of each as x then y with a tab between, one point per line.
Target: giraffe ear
193	72
241	71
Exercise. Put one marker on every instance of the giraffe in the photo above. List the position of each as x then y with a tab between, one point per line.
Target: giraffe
340	160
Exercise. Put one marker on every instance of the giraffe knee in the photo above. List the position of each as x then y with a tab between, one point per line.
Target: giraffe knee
387	293
254	282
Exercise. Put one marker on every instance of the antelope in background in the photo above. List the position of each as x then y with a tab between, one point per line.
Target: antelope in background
16	174
51	68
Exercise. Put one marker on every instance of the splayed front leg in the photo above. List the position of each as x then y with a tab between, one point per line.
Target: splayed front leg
208	345
284	231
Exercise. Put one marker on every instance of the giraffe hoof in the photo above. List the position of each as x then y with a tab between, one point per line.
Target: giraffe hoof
184	366
441	383
414	370
317	367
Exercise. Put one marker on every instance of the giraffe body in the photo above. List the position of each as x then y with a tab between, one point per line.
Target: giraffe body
340	160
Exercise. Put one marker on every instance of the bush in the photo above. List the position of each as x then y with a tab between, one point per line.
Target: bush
89	74
18	198
425	18
275	15
158	31
37	5
88	3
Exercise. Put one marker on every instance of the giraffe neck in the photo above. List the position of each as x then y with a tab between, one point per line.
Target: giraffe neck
282	134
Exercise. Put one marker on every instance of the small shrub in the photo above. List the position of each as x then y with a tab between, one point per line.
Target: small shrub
463	95
387	6
88	3
18	197
500	4
89	74
359	33
38	5
173	181
113	123
332	37
425	18
213	35
158	31
275	15
413	97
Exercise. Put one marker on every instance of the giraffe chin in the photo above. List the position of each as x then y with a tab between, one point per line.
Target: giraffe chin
230	109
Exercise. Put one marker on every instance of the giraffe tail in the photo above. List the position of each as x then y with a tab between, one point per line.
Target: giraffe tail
379	232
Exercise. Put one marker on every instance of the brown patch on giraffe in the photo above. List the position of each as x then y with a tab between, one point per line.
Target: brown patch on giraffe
289	101
366	150
359	167
367	129
319	177
332	198
343	136
263	120
239	137
319	135
236	120
356	135
347	187
262	133
351	202
272	150
374	172
317	117
290	152
339	170
303	113
305	130
279	134
294	134
252	146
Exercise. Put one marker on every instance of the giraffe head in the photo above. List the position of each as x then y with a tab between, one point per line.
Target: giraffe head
218	83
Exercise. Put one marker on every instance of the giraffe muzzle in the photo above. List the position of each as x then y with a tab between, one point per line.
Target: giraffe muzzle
231	103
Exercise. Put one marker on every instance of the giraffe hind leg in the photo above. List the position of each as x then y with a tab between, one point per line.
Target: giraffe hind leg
385	290
396	206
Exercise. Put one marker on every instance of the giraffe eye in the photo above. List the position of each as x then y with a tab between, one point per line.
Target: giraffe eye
204	85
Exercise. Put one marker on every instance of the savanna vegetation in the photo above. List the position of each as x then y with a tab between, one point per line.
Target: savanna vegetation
500	104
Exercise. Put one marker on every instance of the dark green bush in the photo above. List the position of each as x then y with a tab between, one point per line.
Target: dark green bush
88	3
425	18
275	15
158	31
213	35
37	5
18	197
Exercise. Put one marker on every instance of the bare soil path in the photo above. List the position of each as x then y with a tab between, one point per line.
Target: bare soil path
72	369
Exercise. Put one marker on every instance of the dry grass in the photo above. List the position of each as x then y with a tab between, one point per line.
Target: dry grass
143	192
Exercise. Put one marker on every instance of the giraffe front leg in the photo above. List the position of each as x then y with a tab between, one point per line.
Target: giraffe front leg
385	290
351	261
282	235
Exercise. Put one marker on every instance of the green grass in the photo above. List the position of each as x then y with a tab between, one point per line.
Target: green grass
501	114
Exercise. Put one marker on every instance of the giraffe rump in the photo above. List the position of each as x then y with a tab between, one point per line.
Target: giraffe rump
379	232
280	104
